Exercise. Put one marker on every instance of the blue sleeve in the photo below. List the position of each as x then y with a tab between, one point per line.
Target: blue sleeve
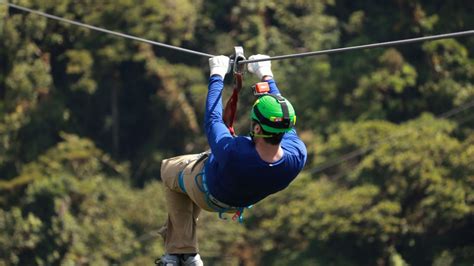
218	136
273	87
297	146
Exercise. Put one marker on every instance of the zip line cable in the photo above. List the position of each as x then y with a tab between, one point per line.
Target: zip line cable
361	151
280	57
366	46
123	35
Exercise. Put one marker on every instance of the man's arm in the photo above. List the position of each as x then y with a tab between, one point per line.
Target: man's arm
273	86
263	70
218	136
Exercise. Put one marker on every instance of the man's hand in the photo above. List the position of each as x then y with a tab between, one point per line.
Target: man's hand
219	65
261	69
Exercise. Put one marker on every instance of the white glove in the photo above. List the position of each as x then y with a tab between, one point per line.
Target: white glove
219	65
262	68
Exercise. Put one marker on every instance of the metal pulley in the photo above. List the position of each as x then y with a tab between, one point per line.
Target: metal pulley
236	58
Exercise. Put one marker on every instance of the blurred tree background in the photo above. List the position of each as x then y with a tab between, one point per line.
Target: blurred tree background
86	118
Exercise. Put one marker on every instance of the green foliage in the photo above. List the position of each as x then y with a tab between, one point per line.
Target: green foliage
18	234
417	169
451	73
88	197
72	213
379	93
24	77
79	64
321	212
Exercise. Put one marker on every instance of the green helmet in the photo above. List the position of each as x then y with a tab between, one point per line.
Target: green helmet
274	113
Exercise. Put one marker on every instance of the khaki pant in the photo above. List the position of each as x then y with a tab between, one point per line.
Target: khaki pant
179	232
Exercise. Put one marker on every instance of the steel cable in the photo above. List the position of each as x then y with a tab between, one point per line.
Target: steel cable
366	46
281	57
123	35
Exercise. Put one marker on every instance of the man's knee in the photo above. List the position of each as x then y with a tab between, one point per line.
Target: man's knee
171	168
169	173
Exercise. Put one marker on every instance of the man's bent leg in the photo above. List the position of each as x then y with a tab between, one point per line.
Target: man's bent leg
180	230
181	235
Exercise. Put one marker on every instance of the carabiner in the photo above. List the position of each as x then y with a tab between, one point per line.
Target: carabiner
236	58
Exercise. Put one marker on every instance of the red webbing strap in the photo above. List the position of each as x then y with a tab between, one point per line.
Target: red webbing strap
231	107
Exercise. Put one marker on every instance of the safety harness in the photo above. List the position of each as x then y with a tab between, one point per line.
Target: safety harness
217	205
211	201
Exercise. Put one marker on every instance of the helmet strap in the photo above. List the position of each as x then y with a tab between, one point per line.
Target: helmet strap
284	107
254	135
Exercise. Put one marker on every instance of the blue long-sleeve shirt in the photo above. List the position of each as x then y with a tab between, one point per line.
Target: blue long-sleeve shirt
235	173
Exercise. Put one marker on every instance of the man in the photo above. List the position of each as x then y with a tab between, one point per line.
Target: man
238	171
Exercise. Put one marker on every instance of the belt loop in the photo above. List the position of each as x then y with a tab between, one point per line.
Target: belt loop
203	156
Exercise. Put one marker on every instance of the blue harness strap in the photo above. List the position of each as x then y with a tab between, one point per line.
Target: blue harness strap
181	181
215	204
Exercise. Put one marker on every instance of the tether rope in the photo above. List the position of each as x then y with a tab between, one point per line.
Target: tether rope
366	46
353	154
123	35
280	57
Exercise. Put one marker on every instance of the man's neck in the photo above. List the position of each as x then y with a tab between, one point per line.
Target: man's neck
268	152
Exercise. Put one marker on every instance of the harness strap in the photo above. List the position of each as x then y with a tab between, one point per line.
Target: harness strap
215	204
181	181
231	106
230	109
